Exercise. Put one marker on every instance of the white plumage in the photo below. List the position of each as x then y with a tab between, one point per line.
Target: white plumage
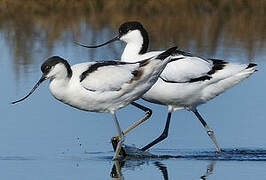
109	78
179	92
186	82
101	86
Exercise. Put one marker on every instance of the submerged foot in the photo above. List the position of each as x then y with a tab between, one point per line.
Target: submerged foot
130	151
114	142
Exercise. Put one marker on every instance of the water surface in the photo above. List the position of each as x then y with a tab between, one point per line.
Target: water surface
42	138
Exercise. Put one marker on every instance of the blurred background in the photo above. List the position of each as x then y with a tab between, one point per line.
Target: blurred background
203	26
57	137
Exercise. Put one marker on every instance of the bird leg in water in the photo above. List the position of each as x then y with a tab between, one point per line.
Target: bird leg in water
148	114
121	137
163	136
116	172
208	129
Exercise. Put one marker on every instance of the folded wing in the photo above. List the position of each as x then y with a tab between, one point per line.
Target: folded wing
108	75
188	69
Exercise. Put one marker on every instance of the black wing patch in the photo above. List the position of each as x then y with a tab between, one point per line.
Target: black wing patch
217	65
201	78
97	65
250	65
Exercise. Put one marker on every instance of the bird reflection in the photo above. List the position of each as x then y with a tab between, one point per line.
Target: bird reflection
118	165
116	172
209	170
162	168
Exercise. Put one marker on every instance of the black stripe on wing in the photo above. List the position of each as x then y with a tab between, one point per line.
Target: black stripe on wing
201	78
251	65
97	65
137	74
217	65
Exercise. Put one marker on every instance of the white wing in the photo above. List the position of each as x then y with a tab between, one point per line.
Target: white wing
107	76
186	69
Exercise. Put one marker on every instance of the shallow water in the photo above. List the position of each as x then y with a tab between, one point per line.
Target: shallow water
192	165
42	138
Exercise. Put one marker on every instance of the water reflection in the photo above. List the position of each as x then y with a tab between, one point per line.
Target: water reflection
162	168
116	172
229	155
31	29
209	170
118	166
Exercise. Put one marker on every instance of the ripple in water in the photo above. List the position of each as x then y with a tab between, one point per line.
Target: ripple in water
225	155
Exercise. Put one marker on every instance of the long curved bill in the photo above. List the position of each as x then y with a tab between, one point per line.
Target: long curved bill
100	45
33	89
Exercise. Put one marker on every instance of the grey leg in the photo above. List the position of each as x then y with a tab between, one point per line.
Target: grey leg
121	136
141	120
208	129
163	136
147	115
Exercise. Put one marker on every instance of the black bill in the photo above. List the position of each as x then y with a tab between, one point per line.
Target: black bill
96	46
33	89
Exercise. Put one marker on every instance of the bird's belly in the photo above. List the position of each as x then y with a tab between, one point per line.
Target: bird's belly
94	101
97	102
78	97
180	95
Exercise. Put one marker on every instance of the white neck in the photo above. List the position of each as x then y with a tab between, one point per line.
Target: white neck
131	52
58	87
134	44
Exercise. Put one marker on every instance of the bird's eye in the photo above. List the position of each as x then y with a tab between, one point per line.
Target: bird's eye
47	68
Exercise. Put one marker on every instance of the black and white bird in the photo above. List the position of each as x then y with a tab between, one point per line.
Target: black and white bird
184	84
101	86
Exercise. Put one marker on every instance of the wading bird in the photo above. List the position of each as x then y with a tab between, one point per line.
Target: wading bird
101	86
184	84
